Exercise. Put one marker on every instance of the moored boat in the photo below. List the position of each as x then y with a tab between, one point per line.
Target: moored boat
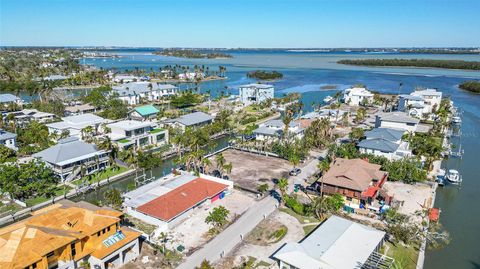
456	120
328	99
454	176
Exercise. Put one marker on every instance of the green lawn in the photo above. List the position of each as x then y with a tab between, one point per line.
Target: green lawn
405	256
40	199
300	218
157	130
99	176
12	207
124	141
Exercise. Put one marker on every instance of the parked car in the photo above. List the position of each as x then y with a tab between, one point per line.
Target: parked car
276	195
314	187
295	172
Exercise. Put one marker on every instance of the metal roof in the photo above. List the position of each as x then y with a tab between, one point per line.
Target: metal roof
146	110
4	135
193	118
8	98
68	150
378	144
398	117
389	134
337	243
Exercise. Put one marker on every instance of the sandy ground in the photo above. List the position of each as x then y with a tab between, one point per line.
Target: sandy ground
190	233
250	170
413	196
262	253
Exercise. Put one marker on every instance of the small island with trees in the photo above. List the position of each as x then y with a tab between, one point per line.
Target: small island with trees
447	64
471	86
194	54
265	75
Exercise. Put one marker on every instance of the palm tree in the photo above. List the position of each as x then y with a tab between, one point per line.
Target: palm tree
282	185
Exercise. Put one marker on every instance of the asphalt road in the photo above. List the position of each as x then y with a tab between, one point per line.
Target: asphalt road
230	237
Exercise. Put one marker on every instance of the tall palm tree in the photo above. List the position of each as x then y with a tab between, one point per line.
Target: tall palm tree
282	186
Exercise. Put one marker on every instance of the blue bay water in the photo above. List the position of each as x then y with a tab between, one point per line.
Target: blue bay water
308	72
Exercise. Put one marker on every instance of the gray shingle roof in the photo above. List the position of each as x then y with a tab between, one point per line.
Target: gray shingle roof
4	135
68	149
378	144
268	131
385	133
193	118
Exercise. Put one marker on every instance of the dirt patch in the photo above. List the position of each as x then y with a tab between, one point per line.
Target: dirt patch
151	258
249	170
268	232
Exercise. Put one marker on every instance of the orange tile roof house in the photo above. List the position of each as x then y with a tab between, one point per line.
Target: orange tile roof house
357	180
166	203
67	234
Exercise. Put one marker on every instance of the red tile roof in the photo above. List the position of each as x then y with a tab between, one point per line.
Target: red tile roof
179	200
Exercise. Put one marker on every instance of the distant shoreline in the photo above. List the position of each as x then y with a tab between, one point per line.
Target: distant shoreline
415	63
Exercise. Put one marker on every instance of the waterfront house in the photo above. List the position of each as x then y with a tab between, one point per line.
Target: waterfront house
357	96
192	120
432	98
125	78
8	139
137	134
413	105
134	93
79	109
68	235
255	93
273	129
8	98
25	116
386	142
166	202
357	180
70	155
336	243
144	113
74	124
396	120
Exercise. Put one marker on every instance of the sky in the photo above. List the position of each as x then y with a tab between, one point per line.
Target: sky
240	23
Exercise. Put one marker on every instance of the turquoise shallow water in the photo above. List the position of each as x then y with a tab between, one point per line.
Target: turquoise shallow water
308	72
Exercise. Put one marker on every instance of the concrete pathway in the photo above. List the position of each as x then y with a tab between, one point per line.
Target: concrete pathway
230	237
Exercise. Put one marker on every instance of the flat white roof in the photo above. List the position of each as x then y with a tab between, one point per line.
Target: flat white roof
337	243
129	125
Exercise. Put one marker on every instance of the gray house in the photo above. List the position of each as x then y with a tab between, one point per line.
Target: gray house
195	119
69	156
8	139
386	142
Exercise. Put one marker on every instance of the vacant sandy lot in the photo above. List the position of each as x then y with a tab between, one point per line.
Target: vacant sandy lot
190	233
410	197
250	170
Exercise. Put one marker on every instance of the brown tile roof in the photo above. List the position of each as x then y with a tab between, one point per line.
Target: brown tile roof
354	174
179	200
27	241
304	123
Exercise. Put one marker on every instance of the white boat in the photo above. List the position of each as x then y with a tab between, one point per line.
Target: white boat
328	99
454	176
456	120
441	177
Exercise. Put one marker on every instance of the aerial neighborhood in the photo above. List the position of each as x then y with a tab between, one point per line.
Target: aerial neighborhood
153	169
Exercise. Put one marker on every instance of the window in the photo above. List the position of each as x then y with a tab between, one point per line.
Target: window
34	266
108	229
50	254
98	234
74	251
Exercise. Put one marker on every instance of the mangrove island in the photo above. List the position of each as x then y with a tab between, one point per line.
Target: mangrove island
448	64
192	54
265	75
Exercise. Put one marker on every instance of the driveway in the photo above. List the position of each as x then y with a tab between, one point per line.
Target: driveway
230	237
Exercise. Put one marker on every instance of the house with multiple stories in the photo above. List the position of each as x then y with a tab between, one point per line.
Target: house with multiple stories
8	139
273	129
432	98
25	116
68	235
336	243
70	155
165	203
420	102
74	124
144	113
357	96
192	120
134	92
357	180
255	93
137	134
386	142
396	120
8	98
